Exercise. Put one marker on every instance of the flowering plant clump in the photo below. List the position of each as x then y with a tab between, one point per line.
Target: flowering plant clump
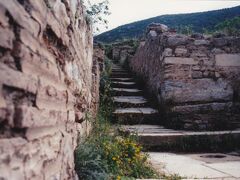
125	158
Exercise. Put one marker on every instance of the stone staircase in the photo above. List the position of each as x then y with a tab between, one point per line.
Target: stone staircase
132	106
136	115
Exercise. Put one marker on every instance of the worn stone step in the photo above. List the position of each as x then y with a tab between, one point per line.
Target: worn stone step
130	101
235	124
126	92
116	67
158	138
136	115
120	75
122	79
119	70
119	84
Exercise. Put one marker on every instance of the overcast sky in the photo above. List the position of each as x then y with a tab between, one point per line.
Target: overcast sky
127	11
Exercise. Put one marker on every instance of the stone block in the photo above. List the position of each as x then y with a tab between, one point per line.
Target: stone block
34	44
197	36
201	42
50	98
197	74
46	71
167	52
33	117
198	54
39	11
202	108
217	51
179	60
51	169
157	27
181	51
10	166
227	59
197	90
3	18
39	132
2	100
6	41
19	14
17	79
219	42
60	13
177	40
152	33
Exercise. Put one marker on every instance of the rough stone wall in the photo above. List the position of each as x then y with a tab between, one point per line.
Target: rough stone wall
123	52
46	87
98	67
196	78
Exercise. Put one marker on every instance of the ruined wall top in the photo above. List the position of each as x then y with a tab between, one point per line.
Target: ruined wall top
219	43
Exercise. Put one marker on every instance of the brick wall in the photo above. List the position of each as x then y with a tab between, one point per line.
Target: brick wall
47	85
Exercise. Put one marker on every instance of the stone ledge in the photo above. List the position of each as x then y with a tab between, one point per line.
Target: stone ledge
180	60
227	59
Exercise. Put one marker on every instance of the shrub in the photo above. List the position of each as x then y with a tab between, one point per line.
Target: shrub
89	164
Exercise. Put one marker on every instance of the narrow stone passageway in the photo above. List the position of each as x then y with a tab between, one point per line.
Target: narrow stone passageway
132	106
136	115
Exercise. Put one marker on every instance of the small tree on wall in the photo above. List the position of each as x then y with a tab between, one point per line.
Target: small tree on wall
97	13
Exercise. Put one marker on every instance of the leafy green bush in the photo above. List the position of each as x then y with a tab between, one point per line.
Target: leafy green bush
230	27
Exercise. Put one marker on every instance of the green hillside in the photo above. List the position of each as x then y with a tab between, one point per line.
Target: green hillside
197	21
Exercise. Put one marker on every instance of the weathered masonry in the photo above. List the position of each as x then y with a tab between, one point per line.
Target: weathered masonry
48	82
196	78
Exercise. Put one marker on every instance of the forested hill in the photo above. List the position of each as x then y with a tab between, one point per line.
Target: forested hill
197	21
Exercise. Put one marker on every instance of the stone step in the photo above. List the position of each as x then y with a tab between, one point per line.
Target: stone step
119	84
235	124
119	70
130	101
126	92
158	138
116	65
136	115
116	68
120	75
122	79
